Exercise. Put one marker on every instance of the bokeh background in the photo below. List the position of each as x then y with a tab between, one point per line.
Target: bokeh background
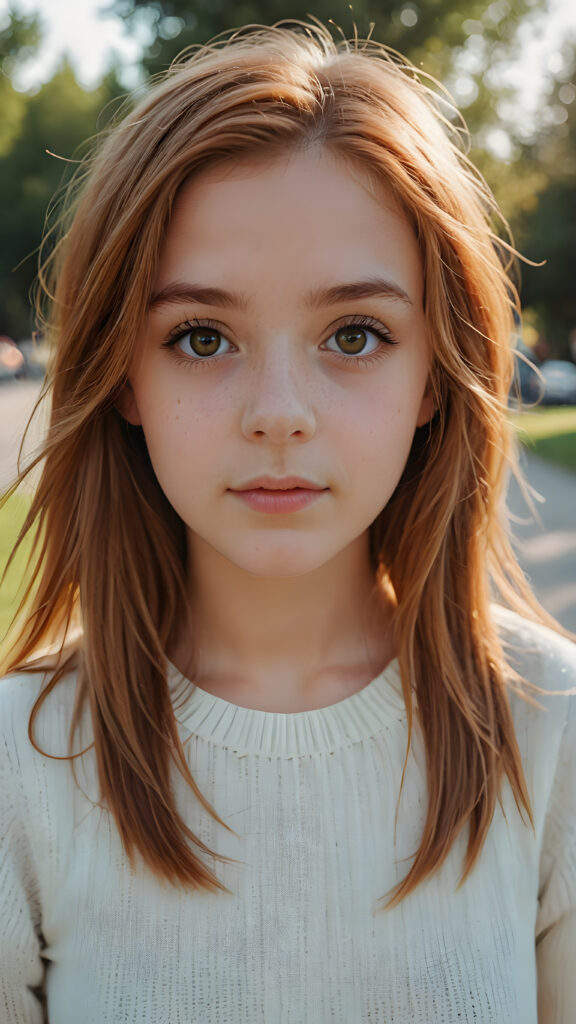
66	66
510	65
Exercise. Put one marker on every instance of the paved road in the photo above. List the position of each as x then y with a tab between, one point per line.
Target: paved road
17	400
547	550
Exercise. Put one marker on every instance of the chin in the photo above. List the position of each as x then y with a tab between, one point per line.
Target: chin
279	562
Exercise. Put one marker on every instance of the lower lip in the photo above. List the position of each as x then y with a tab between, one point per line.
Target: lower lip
279	502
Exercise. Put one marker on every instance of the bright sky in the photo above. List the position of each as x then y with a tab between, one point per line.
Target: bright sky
91	37
81	29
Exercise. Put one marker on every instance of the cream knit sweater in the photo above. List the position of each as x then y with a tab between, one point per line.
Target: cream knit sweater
311	799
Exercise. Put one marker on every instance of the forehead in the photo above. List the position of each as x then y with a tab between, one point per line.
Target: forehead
302	214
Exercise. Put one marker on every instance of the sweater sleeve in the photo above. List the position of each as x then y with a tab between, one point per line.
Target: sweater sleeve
556	921
21	965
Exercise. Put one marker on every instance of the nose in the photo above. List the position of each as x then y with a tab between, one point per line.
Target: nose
278	405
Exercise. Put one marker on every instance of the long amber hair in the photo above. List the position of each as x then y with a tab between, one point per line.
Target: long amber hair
110	551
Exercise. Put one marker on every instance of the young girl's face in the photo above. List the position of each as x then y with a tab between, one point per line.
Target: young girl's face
283	366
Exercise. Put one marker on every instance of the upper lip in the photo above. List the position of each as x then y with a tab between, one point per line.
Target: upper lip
278	483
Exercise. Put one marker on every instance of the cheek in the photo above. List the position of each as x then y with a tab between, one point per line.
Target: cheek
187	442
379	445
167	436
169	417
384	414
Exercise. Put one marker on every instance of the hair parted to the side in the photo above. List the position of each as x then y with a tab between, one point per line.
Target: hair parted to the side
110	549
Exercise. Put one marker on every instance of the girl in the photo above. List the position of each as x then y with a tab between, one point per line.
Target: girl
293	765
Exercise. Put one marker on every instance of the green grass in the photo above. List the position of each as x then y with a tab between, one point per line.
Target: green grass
550	433
11	519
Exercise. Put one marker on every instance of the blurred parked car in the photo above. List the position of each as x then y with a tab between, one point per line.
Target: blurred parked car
551	382
559	382
12	362
35	352
527	386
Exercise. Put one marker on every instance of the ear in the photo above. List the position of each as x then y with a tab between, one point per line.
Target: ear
127	405
427	407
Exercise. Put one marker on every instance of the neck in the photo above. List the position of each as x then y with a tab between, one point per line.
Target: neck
285	644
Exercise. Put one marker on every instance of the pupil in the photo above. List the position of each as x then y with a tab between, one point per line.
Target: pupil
204	342
351	339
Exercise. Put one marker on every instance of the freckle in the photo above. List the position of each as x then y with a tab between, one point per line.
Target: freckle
177	401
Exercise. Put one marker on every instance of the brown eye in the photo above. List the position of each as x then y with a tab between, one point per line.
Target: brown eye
351	340
200	342
362	336
203	341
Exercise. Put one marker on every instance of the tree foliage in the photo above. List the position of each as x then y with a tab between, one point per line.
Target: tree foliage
19	38
462	45
546	229
54	123
451	41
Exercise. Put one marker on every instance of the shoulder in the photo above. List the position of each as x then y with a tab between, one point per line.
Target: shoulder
19	693
543	704
37	791
540	656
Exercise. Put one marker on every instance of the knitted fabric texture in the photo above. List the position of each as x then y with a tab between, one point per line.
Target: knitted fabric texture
311	798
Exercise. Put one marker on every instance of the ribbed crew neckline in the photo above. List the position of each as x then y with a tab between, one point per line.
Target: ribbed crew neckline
291	734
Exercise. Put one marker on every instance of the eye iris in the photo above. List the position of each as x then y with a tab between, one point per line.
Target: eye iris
351	340
204	342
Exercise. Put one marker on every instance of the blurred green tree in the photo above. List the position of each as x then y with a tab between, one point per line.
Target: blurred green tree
463	47
451	41
546	228
37	160
19	38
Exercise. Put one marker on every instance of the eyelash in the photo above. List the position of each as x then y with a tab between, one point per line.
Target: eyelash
186	327
383	334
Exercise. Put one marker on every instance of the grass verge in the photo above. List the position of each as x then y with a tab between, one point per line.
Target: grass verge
11	518
550	433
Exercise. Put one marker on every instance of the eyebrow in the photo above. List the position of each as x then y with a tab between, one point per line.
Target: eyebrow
377	287
374	287
177	292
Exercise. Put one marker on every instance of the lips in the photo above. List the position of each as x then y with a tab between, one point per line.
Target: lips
285	483
279	495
